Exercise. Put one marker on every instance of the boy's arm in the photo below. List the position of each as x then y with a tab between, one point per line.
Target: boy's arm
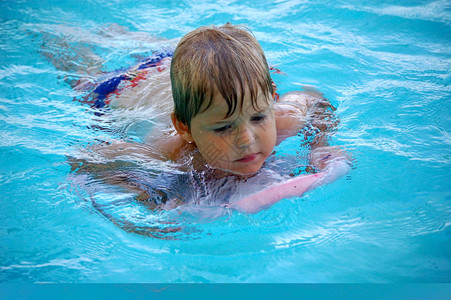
297	109
109	162
291	188
309	109
116	153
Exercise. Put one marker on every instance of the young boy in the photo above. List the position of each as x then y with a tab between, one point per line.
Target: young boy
224	115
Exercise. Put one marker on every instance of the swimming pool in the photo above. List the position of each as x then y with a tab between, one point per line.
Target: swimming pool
385	66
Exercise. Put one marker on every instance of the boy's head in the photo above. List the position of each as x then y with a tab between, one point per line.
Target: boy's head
222	72
210	60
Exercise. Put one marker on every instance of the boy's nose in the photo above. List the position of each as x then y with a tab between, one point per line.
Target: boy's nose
245	137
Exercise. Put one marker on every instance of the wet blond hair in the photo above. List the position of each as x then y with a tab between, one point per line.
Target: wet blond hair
210	60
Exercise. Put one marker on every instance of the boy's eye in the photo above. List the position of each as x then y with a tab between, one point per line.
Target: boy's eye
258	118
222	129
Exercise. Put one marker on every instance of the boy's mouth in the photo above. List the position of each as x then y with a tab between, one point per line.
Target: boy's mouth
248	158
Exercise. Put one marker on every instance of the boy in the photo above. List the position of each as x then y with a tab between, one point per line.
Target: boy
224	116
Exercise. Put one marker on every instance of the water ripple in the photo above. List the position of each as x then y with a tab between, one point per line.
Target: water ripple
335	231
437	11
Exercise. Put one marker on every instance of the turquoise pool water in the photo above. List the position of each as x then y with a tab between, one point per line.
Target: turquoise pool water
386	66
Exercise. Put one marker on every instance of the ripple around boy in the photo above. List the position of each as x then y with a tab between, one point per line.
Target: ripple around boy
227	116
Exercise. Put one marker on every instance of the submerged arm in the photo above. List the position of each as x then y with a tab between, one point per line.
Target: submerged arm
309	113
298	109
291	188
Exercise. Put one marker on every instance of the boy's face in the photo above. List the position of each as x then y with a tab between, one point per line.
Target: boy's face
240	143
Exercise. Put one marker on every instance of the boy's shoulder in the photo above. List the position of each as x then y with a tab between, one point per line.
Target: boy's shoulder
170	145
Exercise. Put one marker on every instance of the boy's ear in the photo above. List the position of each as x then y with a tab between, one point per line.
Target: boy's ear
182	129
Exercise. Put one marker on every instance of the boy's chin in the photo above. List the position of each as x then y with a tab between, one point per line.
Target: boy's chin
243	173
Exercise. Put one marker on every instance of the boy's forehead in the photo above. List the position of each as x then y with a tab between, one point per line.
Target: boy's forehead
219	106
